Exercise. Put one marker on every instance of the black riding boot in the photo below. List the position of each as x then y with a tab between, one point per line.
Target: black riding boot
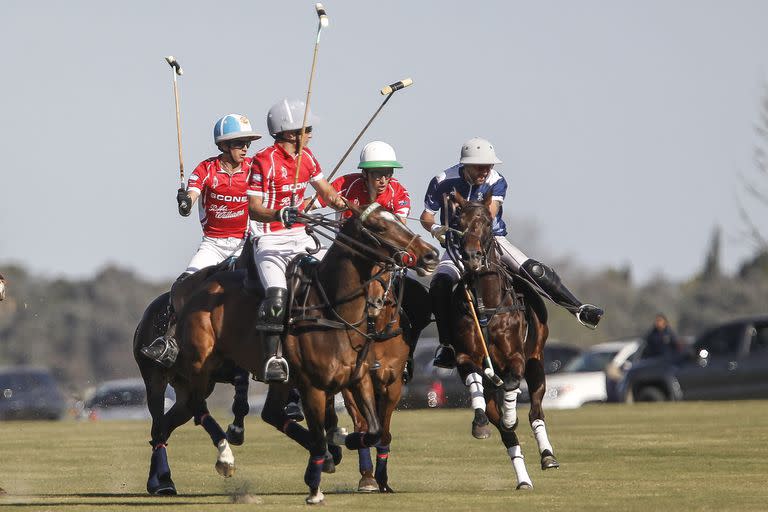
440	290
545	278
270	319
163	349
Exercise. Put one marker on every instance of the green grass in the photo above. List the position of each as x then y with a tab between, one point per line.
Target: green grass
649	457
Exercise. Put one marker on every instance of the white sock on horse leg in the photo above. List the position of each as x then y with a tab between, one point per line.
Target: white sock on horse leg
509	408
518	463
475	384
540	431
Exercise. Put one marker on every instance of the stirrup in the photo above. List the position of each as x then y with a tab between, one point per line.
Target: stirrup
586	309
162	350
276	370
445	357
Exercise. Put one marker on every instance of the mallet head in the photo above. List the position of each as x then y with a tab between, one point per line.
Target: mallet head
171	60
321	14
402	84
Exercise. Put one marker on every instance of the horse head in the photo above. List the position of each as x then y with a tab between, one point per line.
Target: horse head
476	242
390	240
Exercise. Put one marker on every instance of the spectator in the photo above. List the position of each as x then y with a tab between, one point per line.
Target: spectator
661	340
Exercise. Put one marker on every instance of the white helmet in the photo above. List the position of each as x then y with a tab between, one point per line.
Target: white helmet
287	115
378	154
478	151
233	126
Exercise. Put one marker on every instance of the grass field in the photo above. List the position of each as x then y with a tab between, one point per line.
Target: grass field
649	457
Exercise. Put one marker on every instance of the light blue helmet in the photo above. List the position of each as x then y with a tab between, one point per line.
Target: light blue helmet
287	115
233	126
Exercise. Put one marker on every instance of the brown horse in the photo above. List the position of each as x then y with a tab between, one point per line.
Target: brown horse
327	341
157	378
388	295
2	287
489	312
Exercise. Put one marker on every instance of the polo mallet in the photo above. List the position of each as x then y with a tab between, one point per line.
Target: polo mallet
321	24
388	91
176	70
488	366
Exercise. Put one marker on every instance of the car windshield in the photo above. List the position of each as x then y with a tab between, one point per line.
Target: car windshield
119	397
590	362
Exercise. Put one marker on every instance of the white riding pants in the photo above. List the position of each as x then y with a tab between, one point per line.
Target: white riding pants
510	255
213	251
273	252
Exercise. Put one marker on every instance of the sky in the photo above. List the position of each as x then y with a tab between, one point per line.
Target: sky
623	126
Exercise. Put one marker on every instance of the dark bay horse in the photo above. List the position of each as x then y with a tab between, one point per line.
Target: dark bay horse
157	378
327	340
494	321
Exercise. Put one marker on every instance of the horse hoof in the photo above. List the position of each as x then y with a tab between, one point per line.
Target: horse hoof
315	499
481	431
481	428
225	469
524	486
162	489
329	466
367	484
385	488
336	452
548	460
235	435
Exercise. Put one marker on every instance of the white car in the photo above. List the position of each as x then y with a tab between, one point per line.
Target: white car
583	379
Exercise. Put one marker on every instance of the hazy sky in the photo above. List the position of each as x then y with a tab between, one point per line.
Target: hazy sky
623	126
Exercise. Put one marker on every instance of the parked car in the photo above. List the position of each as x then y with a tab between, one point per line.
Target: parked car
438	387
122	399
29	393
583	380
728	361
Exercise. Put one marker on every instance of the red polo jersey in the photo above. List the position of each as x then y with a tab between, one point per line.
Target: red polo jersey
223	203
272	175
353	187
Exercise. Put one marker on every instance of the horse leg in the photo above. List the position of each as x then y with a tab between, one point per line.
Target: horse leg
534	376
315	402
367	483
273	414
365	400
159	481
471	375
332	429
240	407
387	403
509	438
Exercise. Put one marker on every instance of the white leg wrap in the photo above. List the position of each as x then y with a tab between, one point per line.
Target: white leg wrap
540	431
475	384
509	408
518	463
225	453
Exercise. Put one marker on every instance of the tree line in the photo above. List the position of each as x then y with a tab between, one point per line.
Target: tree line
83	329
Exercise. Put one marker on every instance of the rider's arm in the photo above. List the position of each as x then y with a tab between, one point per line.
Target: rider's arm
329	194
498	193
494	208
427	220
257	211
193	195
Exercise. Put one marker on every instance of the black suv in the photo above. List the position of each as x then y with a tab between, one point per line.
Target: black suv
729	361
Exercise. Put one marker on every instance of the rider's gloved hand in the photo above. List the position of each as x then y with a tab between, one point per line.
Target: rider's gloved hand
439	231
288	215
185	202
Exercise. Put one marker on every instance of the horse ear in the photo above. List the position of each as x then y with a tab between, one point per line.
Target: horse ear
459	198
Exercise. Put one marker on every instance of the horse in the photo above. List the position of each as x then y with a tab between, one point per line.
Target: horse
326	348
2	287
500	333
386	297
156	379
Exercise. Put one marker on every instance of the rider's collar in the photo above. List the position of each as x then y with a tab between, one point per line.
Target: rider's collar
371	208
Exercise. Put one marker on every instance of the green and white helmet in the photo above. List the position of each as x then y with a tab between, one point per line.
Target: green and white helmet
378	154
478	151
